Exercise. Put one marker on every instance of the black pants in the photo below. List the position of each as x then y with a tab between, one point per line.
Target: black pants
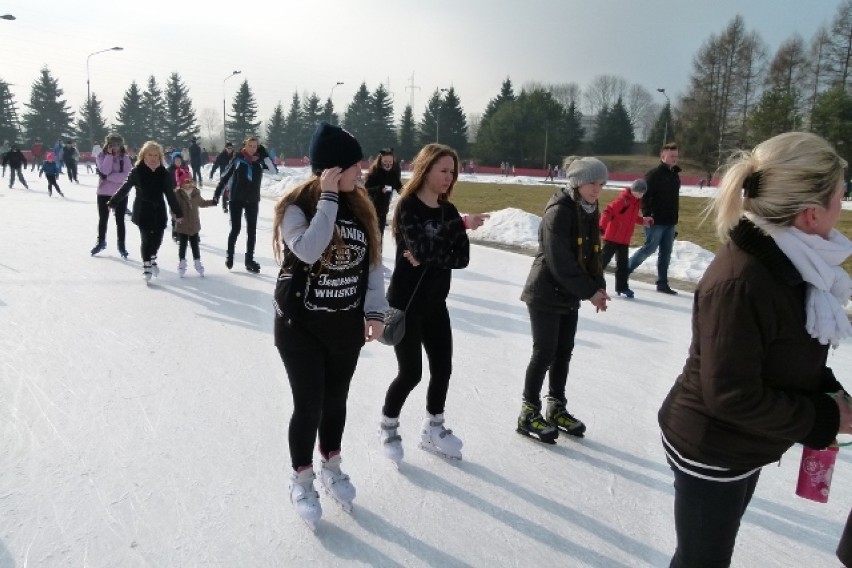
151	240
621	257
428	325
71	167
51	183
196	173
707	518
103	217
553	343
319	380
193	243
251	209
16	171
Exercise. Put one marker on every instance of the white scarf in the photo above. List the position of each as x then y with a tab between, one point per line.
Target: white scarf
829	286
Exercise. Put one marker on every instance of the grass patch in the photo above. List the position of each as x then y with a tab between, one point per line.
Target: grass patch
484	197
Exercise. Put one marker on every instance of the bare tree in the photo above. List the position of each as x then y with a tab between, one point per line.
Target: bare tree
604	91
840	48
211	123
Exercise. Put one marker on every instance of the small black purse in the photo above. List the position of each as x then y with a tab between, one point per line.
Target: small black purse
394	329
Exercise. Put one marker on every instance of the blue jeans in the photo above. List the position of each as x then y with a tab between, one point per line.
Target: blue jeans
707	519
656	236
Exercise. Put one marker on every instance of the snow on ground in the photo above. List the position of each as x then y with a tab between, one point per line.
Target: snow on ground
146	426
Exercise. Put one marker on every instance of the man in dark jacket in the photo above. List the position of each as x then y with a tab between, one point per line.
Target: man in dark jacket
661	203
16	161
195	162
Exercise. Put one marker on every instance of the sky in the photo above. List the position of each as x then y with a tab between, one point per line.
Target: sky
413	47
145	426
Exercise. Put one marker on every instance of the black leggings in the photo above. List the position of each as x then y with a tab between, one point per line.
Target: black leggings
251	209
427	325
319	380
621	271
553	343
193	243
103	217
51	183
151	241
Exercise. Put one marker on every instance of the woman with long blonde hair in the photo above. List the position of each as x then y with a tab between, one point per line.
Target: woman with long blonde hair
154	187
431	240
766	311
329	300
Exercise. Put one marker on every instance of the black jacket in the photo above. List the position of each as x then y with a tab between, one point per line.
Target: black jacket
438	240
243	177
149	209
556	281
375	183
14	159
661	201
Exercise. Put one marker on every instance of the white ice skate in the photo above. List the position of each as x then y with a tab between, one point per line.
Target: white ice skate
439	440
304	498
336	483
182	267
390	439
199	268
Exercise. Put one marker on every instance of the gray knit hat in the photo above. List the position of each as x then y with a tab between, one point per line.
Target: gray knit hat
639	186
586	170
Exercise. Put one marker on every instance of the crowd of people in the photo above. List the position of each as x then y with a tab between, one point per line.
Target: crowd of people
765	314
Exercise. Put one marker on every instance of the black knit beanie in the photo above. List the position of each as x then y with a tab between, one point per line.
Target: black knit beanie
332	146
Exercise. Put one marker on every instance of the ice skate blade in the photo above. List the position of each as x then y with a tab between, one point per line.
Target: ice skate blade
439	453
524	433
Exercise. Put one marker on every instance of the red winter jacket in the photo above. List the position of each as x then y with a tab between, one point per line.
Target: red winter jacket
619	217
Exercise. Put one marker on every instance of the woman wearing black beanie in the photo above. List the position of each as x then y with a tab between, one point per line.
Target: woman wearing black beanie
329	300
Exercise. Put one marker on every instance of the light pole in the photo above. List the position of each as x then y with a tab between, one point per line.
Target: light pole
330	95
224	115
89	87
438	115
669	108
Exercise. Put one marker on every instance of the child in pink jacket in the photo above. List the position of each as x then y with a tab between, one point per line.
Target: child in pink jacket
617	224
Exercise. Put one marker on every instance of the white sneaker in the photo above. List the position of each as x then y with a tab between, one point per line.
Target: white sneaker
182	267
439	440
199	268
304	498
336	483
390	439
146	271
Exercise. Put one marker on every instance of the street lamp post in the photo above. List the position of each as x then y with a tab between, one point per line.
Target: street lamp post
331	94
89	87
224	115
669	107
438	115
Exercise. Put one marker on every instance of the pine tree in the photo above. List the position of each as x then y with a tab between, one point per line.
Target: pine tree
428	129
152	106
242	121
179	120
381	133
9	128
294	130
359	114
407	135
49	117
312	113
453	123
91	126
275	131
130	120
328	113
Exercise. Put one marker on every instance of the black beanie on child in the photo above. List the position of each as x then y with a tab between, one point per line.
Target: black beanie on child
332	146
